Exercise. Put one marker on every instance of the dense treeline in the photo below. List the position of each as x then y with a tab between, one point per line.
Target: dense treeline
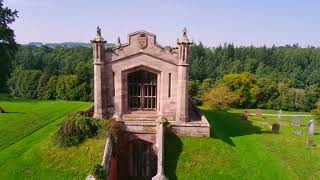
277	77
52	73
300	66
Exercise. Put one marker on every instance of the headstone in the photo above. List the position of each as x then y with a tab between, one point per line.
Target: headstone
90	177
258	113
310	143
280	116
298	132
296	121
275	128
311	127
245	116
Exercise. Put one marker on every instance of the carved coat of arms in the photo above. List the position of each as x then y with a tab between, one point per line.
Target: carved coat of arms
142	41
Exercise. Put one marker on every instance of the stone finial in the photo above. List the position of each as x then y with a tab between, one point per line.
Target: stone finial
118	44
184	38
98	31
98	38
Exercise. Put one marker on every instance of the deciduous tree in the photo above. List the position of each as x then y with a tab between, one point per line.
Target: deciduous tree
8	44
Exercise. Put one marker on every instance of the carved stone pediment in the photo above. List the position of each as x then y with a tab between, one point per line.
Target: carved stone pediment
145	42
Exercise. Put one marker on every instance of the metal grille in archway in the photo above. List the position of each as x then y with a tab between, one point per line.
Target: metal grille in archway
142	91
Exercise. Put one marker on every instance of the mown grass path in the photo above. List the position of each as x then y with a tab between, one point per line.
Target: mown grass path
26	147
243	150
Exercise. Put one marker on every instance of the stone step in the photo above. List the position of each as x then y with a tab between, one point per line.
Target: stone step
139	117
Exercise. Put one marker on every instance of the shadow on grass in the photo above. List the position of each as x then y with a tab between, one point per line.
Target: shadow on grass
225	125
173	150
14	112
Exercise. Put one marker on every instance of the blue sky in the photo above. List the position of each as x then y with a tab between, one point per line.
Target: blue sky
243	22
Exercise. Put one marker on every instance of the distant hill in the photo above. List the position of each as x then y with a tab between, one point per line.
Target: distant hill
64	44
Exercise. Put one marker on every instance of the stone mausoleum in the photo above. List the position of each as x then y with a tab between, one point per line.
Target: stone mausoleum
137	82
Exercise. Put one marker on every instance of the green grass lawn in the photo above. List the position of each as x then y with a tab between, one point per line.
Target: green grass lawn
243	150
26	147
236	150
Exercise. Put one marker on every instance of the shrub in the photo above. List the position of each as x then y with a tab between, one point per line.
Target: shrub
116	129
2	110
76	128
98	172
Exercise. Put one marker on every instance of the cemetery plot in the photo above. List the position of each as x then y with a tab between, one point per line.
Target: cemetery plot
247	149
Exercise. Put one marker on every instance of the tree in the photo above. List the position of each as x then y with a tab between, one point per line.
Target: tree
24	83
242	84
68	88
312	97
205	86
51	88
268	92
8	44
193	88
43	86
316	113
220	97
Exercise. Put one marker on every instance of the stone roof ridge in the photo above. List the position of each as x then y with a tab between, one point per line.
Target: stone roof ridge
141	31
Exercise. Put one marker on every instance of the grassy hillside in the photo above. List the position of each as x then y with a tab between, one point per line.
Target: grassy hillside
26	147
236	150
243	150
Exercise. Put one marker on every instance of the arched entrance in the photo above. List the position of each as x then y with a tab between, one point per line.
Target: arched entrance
142	91
136	159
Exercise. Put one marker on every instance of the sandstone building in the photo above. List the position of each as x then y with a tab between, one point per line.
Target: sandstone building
138	81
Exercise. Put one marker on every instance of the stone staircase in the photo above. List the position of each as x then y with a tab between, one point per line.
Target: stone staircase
140	117
141	122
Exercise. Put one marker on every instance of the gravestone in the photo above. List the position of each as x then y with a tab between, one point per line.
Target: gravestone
310	143
245	116
298	132
311	127
280	113
296	121
275	128
90	177
280	116
258	113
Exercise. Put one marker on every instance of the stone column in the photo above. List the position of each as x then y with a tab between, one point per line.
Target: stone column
182	94
99	85
182	89
160	149
118	103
